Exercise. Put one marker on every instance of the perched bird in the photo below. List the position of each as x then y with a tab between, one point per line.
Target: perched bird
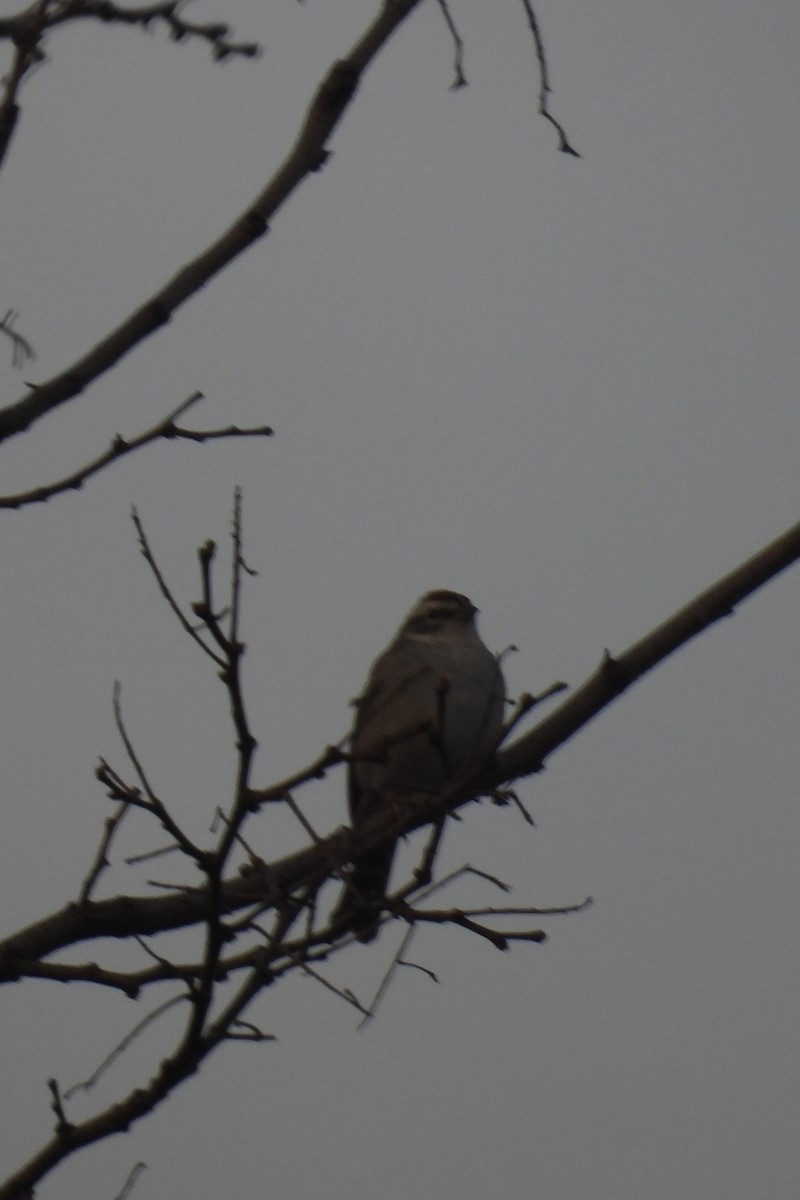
433	705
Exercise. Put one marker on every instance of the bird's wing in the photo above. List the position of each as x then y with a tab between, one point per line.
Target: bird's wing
394	734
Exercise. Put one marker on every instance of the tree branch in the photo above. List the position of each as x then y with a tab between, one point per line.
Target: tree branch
28	28
616	673
308	155
215	33
120	447
126	916
544	81
290	885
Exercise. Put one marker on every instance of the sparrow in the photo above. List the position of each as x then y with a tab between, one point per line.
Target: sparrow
432	706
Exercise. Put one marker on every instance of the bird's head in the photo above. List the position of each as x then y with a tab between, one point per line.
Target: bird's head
440	614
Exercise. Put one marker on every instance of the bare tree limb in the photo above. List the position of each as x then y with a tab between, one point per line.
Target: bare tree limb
308	155
120	447
388	976
616	673
50	14
126	916
131	796
27	30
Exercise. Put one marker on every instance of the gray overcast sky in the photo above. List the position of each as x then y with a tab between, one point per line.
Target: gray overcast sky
567	388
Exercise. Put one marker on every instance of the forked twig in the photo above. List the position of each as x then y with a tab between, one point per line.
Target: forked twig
119	790
21	349
343	993
120	447
149	558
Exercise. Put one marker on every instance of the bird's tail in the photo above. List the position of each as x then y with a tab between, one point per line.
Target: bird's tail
358	906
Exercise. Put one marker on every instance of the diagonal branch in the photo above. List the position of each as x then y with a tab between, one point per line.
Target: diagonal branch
120	447
307	156
126	916
163	587
616	674
288	885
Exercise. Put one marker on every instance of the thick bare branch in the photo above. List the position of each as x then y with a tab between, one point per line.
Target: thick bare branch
306	157
126	916
616	673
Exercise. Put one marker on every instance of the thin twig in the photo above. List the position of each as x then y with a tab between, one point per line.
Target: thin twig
149	558
502	797
402	962
295	809
217	933
461	918
221	816
101	861
120	447
247	1032
332	756
128	744
388	976
203	609
119	790
133	860
526	703
460	79
130	1182
424	872
63	1126
343	993
22	351
544	81
468	869
86	1085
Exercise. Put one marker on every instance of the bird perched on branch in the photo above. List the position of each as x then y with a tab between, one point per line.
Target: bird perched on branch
432	706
